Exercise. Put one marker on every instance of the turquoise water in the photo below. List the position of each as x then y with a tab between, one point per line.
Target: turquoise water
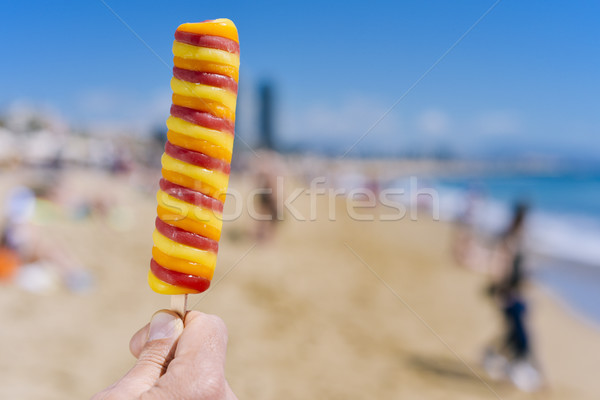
572	194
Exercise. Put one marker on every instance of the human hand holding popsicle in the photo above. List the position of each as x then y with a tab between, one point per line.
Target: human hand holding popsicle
195	356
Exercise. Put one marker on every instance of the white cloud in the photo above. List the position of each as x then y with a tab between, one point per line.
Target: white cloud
20	113
344	121
114	110
497	123
433	122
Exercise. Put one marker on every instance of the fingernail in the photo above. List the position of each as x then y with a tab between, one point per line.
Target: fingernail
164	325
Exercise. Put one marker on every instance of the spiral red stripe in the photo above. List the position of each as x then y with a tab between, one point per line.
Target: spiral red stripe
206	78
202	118
184	237
190	196
179	279
213	42
196	158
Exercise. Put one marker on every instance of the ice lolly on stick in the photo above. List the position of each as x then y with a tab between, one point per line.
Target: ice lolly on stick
196	160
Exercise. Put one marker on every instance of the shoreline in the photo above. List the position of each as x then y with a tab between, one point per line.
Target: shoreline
562	299
580	316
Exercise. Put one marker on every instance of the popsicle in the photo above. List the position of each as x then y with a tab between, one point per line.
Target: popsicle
197	156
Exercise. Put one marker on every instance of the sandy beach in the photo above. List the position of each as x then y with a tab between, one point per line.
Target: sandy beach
338	309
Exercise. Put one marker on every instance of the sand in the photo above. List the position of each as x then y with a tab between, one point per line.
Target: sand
328	309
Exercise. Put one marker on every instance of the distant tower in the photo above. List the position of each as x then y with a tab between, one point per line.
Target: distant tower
266	116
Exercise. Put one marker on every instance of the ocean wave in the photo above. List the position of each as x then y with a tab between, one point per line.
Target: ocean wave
569	236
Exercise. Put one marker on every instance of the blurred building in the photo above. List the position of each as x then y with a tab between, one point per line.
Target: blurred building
266	116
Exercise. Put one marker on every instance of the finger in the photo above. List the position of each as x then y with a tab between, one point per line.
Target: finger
137	342
205	337
198	369
163	333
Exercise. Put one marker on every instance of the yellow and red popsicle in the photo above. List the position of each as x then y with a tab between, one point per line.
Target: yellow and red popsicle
196	161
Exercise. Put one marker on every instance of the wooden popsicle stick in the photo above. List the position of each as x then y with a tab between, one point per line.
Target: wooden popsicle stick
179	304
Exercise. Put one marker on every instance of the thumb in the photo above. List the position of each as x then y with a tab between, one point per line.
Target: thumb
163	333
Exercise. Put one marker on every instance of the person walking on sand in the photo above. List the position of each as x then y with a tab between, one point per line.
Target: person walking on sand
512	358
267	196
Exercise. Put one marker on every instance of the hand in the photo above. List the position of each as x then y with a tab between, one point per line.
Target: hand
176	362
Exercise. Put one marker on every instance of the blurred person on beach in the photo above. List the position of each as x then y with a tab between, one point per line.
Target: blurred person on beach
511	356
176	360
467	247
268	168
31	259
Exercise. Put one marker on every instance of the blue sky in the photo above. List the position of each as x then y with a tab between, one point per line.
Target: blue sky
526	77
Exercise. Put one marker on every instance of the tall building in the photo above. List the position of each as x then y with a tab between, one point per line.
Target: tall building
266	114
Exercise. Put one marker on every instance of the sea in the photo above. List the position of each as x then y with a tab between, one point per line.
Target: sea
562	228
